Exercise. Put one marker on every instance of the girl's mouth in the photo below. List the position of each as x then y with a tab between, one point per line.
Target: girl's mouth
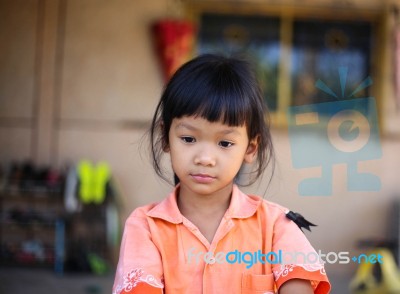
203	178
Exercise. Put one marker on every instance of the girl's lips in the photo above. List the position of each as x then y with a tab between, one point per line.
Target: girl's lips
203	178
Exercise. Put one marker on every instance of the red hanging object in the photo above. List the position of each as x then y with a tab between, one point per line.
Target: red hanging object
174	41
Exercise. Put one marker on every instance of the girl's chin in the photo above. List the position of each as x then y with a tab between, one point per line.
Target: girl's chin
203	189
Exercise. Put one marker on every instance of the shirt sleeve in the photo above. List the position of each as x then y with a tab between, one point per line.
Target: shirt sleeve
298	259
139	269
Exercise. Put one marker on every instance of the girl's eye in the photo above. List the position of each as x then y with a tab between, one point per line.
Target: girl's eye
225	144
188	139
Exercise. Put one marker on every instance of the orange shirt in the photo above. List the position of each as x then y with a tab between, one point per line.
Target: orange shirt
163	252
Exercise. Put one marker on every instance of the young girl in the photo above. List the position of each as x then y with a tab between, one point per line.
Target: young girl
207	236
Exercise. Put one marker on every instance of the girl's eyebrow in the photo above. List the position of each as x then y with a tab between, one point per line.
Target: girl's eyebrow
230	131
186	126
190	127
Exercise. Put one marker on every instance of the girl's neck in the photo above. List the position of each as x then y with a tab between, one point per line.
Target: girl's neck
205	211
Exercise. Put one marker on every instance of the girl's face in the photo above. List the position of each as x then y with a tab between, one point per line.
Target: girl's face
206	156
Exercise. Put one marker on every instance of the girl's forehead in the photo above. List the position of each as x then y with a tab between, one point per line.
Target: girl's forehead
196	123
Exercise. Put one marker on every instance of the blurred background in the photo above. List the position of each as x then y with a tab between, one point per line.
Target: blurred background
80	79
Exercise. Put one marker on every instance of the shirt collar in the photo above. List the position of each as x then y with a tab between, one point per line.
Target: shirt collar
241	206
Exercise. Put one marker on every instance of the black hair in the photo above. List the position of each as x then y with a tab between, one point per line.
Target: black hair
218	89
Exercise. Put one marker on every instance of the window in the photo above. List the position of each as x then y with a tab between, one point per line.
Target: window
294	48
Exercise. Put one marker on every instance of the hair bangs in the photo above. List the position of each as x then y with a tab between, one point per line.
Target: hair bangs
218	96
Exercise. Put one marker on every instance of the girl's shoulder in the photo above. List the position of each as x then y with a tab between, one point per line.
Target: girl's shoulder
141	212
270	207
278	213
166	209
246	205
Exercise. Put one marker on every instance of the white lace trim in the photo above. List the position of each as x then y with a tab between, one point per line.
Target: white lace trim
135	276
285	269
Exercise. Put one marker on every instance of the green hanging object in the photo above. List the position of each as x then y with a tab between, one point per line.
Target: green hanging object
93	181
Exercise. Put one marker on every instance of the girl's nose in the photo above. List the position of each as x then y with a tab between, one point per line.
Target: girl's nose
204	157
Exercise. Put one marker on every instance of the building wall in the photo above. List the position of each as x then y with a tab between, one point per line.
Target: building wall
80	80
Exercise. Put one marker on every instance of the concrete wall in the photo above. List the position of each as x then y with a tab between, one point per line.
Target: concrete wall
79	79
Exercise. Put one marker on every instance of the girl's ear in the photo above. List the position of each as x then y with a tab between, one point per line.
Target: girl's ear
165	141
251	151
165	147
